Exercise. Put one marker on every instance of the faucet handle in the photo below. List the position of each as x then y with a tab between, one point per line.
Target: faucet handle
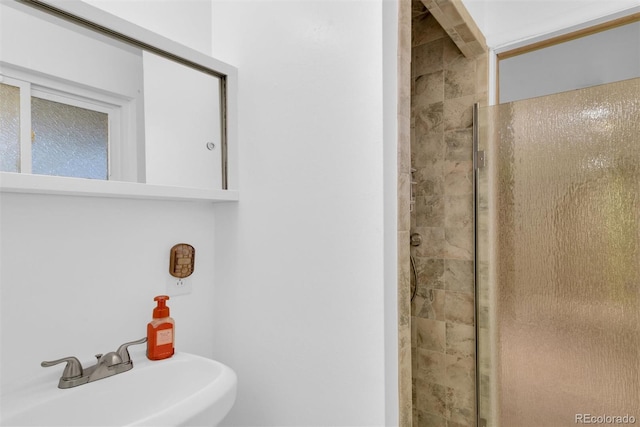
72	370
123	351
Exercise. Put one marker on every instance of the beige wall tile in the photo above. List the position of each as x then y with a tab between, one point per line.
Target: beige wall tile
427	58
404	88
429	304
459	79
458	144
425	29
458	275
404	219
460	406
451	12
405	387
430	179
430	117
404	28
451	53
430	211
458	243
465	33
430	274
461	372
460	340
431	397
404	342
404	144
430	4
455	424
482	72
428	149
418	8
458	210
404	276
435	237
425	419
458	307
458	177
458	112
414	333
429	88
432	366
477	48
430	334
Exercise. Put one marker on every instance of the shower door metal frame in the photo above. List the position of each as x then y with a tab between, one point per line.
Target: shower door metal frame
478	162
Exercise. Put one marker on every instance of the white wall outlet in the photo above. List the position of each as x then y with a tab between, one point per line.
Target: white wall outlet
176	286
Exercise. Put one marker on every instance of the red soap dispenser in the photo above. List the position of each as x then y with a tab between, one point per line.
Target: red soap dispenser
160	331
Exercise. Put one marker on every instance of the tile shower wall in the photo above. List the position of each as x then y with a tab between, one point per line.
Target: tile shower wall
445	85
404	220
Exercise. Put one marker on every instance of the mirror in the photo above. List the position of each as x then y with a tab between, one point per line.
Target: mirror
80	99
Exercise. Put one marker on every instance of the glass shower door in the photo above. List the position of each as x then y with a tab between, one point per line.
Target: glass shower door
558	259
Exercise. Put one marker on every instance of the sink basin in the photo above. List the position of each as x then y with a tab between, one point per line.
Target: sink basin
184	390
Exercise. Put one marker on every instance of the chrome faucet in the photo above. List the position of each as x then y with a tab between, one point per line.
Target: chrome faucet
112	363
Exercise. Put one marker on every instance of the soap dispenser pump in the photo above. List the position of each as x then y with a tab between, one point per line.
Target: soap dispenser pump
160	331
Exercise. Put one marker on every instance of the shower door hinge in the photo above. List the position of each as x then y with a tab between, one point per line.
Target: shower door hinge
479	159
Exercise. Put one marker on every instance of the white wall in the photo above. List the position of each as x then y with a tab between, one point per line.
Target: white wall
300	307
78	276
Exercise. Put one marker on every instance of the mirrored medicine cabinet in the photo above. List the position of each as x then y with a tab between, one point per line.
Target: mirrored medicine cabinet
93	104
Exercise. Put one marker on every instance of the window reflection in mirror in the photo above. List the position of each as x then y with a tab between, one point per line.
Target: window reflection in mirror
47	133
68	140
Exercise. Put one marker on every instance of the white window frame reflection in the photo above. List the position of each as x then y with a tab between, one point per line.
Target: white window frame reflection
49	89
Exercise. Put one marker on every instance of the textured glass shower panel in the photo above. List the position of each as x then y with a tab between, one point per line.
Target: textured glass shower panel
9	128
69	140
559	298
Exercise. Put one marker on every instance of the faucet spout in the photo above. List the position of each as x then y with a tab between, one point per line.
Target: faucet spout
106	366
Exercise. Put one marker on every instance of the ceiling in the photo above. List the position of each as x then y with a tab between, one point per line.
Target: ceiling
506	22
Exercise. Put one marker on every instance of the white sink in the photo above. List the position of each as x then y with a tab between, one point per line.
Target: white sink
185	390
